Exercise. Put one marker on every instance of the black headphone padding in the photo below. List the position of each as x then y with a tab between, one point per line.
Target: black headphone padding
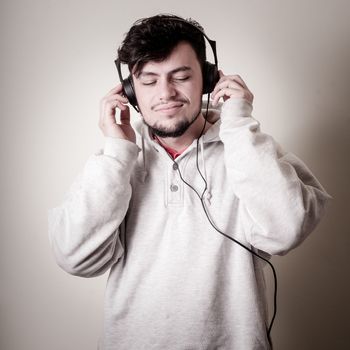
129	91
210	77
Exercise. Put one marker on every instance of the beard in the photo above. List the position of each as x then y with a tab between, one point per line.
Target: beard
175	131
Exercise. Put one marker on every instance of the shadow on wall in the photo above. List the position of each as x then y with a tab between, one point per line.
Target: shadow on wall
314	279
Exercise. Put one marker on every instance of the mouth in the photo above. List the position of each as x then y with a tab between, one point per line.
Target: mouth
169	107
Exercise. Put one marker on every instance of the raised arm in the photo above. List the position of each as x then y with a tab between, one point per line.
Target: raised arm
283	200
85	229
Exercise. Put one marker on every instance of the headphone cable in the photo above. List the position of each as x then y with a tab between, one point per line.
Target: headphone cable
201	198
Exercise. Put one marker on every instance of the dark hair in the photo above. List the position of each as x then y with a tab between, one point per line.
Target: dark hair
154	38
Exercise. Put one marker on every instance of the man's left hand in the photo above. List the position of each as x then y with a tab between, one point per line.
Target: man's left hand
231	86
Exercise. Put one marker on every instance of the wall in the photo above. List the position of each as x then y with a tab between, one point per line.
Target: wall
57	63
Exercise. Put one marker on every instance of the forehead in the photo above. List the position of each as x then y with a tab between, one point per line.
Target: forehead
182	55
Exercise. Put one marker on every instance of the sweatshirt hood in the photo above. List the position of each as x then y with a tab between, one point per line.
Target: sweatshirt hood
213	117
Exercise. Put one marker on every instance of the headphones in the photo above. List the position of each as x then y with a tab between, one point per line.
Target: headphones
210	70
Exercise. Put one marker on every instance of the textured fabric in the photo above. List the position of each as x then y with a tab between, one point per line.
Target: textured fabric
175	283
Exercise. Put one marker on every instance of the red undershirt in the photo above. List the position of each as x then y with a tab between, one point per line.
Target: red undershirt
172	152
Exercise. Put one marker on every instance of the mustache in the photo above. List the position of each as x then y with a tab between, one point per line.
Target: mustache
180	100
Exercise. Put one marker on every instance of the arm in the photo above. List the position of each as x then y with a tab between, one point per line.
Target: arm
84	230
283	200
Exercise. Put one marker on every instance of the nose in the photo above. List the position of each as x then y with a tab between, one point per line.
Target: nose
167	90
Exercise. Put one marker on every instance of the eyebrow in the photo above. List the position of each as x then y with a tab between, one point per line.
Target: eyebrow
174	71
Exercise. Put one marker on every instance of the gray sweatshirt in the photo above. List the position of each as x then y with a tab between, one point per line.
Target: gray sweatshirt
175	283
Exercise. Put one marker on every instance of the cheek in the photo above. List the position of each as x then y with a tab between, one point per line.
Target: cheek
197	88
143	99
196	93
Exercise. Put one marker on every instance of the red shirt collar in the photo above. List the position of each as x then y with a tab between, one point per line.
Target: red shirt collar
172	152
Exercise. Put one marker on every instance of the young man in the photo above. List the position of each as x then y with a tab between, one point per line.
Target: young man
148	206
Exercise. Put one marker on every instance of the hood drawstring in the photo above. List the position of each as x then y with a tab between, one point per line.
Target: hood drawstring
144	172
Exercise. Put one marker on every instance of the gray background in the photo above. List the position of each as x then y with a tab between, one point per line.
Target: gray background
57	63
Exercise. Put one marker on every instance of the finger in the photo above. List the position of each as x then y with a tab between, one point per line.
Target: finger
109	104
221	77
115	97
125	116
116	89
227	83
222	93
217	97
234	78
107	112
238	79
233	93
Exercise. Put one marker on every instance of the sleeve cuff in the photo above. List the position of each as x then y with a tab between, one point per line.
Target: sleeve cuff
120	149
236	108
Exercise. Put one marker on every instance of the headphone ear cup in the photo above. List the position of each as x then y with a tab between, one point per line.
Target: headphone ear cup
210	77
128	89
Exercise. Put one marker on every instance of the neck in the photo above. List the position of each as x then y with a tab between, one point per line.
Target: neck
192	133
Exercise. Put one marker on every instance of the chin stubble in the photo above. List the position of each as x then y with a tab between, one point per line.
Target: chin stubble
178	130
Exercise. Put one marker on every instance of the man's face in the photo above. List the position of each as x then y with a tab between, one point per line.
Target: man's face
169	93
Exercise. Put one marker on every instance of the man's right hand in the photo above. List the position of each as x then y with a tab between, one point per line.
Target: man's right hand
108	123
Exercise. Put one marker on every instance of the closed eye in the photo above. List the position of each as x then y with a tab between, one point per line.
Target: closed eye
146	83
181	78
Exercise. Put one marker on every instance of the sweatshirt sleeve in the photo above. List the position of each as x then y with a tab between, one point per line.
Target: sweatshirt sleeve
283	200
84	229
